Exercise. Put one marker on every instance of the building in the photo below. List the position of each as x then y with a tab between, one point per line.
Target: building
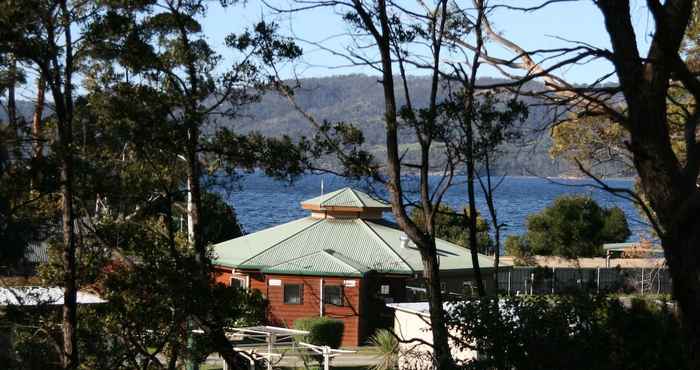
412	327
343	261
35	254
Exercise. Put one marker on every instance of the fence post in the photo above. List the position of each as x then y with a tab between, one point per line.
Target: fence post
598	280
554	278
532	283
509	277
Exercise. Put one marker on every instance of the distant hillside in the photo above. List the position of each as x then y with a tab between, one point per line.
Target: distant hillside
358	99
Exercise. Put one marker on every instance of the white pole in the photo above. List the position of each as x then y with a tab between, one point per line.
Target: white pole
598	281
270	338
326	357
509	271
554	278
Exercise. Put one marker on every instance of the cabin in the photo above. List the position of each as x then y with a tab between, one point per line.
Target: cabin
344	261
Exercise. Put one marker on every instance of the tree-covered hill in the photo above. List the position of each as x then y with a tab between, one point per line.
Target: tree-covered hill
358	99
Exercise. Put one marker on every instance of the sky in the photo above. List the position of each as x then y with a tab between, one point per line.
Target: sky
543	29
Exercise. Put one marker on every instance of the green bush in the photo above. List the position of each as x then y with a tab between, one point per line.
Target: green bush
571	227
569	332
322	331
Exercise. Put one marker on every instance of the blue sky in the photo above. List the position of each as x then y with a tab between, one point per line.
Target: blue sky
547	28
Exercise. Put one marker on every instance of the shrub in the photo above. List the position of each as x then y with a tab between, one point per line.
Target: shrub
575	332
571	227
322	331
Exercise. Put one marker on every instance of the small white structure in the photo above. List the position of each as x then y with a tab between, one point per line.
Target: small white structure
412	326
37	296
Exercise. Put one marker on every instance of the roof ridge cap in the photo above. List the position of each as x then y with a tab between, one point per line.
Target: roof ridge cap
332	255
281	241
386	245
338	192
354	194
295	259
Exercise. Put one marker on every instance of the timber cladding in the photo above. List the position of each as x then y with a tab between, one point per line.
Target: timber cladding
284	314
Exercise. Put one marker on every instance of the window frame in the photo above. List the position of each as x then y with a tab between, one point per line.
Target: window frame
300	291
388	289
341	294
241	281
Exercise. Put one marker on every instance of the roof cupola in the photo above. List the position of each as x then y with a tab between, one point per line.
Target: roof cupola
346	203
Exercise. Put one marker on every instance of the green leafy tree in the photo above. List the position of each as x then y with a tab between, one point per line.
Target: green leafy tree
572	227
568	332
451	226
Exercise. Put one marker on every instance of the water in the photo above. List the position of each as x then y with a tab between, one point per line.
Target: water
262	202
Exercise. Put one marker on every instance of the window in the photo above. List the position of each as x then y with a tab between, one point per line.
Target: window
237	283
384	289
293	293
333	294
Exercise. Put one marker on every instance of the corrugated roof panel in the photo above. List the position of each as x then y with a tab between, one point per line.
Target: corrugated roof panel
346	197
318	263
350	238
452	256
37	252
234	251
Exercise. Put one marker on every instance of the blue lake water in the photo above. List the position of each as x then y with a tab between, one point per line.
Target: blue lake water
261	202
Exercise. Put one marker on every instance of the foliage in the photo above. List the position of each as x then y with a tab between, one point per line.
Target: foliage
388	345
218	219
571	227
323	331
568	333
452	227
157	295
515	246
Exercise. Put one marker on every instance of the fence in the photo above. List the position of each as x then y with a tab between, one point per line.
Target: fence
545	280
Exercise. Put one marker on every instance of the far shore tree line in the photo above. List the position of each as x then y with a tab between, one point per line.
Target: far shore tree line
119	165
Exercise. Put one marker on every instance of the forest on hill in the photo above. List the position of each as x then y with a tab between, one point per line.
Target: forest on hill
358	99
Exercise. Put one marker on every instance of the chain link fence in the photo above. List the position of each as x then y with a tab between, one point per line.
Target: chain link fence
552	280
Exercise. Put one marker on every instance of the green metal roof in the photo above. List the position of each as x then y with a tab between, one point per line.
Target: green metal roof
233	252
328	246
349	237
452	256
325	262
346	197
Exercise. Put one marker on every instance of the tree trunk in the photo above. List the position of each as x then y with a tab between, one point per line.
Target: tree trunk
11	103
441	348
683	264
37	139
70	289
194	196
471	219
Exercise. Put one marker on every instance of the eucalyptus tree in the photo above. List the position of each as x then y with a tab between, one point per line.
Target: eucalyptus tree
45	37
385	29
160	88
643	102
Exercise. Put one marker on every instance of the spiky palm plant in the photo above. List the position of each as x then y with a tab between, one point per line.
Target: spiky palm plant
388	346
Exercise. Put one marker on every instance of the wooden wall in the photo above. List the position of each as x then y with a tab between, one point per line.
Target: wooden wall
284	315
